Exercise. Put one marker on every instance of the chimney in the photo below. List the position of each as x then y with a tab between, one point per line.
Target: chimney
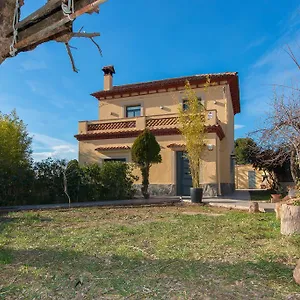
108	77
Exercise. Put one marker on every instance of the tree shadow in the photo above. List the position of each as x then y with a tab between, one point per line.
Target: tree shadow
144	276
28	218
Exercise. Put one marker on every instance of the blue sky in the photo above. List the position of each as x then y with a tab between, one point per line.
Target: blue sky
147	41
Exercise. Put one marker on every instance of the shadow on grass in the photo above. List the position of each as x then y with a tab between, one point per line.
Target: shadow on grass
69	272
27	218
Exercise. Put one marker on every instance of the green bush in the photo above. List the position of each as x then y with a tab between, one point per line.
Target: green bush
111	181
145	152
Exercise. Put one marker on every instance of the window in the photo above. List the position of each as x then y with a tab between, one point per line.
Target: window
115	159
185	103
133	111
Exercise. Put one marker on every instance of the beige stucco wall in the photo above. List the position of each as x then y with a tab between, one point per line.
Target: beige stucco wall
163	173
151	104
242	179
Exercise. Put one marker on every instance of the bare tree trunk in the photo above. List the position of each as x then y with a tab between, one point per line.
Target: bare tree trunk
294	166
7	9
290	219
66	186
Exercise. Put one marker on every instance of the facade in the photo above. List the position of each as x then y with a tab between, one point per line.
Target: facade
124	111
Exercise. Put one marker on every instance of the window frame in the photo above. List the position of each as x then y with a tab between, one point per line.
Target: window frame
134	111
184	103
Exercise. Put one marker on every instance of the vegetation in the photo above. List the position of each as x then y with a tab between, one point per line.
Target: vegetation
145	152
245	150
176	252
59	182
192	127
260	195
53	180
15	159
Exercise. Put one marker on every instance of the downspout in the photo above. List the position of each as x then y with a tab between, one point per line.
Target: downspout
218	167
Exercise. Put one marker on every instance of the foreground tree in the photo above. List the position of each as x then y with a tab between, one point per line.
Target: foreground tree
145	152
52	21
15	160
281	133
192	127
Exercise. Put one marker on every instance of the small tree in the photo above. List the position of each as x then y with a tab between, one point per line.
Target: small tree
192	127
145	152
15	160
245	151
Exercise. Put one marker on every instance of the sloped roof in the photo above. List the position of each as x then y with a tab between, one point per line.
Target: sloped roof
128	89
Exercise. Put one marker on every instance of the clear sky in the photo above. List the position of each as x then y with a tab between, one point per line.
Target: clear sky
148	40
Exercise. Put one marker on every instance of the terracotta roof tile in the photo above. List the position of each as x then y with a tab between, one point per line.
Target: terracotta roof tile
230	77
134	133
174	145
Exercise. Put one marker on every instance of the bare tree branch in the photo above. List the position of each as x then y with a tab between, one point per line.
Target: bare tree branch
85	35
290	52
99	49
71	57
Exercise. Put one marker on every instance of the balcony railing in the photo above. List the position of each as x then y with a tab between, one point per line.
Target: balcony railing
138	123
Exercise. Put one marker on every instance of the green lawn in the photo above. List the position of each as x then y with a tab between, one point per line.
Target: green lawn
175	252
263	195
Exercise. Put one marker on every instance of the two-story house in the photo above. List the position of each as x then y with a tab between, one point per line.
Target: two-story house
124	111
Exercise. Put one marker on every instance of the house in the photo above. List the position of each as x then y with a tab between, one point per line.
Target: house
124	111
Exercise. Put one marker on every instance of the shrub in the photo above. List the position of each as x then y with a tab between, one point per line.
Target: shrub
145	152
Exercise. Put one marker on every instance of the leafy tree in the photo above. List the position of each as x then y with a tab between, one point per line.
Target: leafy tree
145	152
15	160
49	180
245	150
192	127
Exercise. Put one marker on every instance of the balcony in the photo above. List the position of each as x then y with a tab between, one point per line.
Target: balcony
130	127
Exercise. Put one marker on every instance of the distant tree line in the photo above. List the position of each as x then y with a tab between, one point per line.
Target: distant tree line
23	181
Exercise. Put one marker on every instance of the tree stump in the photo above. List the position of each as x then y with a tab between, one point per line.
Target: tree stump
254	207
290	219
278	210
297	273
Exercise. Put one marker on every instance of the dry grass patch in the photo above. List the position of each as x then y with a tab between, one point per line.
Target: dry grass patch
174	252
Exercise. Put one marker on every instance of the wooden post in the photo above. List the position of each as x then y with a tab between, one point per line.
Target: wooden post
290	219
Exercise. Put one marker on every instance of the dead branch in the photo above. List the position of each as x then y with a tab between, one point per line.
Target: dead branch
85	35
68	36
71	57
99	49
290	52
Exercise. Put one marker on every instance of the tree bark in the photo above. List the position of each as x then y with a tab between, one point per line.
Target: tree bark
46	24
290	219
293	166
7	9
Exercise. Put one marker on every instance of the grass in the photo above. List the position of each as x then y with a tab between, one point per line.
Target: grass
175	252
260	195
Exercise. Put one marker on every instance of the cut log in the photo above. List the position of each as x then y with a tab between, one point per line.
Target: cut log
290	219
296	273
278	210
254	207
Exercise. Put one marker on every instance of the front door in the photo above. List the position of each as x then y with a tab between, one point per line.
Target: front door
184	178
252	179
